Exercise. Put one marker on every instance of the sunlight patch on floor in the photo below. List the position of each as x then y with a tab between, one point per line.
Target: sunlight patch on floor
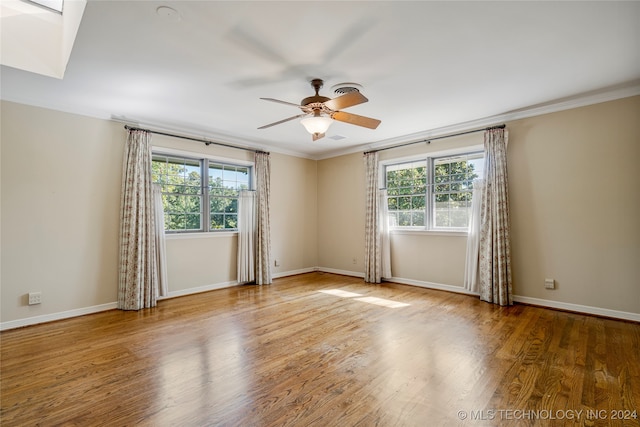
383	302
341	293
370	300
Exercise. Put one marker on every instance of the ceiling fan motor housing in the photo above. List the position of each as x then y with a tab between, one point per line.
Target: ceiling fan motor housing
315	99
325	109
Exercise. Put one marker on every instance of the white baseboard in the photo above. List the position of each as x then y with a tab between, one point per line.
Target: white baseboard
206	288
585	309
294	272
615	314
342	272
12	324
431	285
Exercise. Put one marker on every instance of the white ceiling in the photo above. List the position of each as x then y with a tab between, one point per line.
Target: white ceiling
424	66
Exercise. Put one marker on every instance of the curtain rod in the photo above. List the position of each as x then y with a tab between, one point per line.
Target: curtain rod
428	141
204	141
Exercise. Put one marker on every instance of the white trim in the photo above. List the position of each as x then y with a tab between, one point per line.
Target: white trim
341	272
532	111
199	289
294	272
12	324
200	235
236	142
583	100
467	149
422	232
577	308
158	149
431	285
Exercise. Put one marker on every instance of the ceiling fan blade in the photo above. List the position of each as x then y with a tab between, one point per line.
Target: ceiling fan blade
254	43
354	119
281	102
347	39
347	100
281	121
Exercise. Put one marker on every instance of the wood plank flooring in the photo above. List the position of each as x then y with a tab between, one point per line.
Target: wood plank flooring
290	354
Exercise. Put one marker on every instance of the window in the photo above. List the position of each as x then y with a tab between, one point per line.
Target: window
199	194
433	193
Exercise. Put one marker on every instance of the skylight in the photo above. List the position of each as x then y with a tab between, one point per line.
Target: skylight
50	4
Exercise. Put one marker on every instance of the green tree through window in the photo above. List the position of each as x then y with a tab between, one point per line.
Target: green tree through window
432	193
199	194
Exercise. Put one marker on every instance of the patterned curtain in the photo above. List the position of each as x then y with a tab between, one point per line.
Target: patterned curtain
246	236
473	238
263	224
161	252
138	278
495	247
385	238
372	248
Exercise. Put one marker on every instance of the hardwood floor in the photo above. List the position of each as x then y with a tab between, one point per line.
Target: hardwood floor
291	354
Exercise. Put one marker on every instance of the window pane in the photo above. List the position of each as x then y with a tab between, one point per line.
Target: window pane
393	219
232	206
217	221
192	221
406	188
404	203
418	203
393	203
182	184
418	218
453	190
215	175
192	204
404	218
218	204
175	222
243	178
231	221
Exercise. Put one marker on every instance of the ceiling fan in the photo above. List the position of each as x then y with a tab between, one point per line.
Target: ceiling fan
320	110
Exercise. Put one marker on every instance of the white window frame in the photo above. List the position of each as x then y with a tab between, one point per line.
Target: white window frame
428	157
205	231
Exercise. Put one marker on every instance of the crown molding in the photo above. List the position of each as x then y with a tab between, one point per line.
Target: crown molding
240	143
583	100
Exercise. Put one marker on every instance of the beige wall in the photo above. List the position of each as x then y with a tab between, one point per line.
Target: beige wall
61	178
574	209
575	203
423	257
294	213
433	258
341	213
60	210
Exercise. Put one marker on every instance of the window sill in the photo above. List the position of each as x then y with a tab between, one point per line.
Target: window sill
200	235
418	232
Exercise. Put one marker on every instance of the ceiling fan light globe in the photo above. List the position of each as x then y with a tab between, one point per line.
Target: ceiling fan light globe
316	124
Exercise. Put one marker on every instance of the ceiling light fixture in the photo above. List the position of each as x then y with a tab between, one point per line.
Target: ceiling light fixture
316	125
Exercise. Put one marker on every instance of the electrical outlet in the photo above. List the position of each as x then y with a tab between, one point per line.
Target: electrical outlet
35	298
549	284
276	263
355	260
